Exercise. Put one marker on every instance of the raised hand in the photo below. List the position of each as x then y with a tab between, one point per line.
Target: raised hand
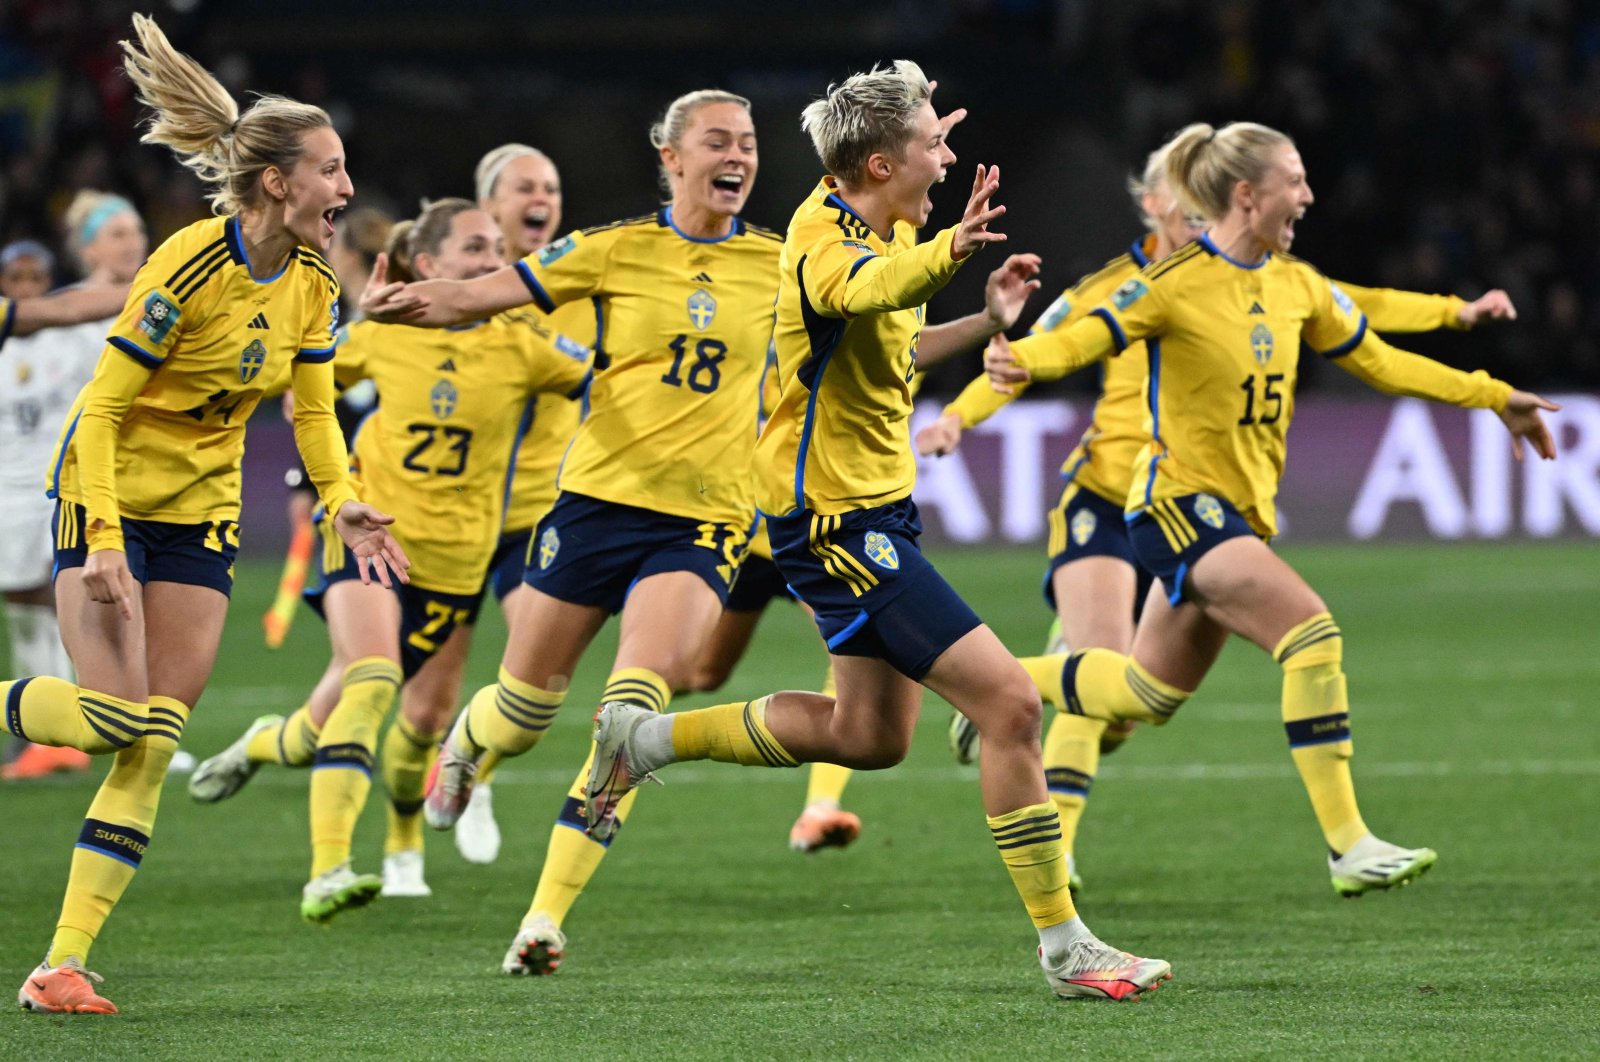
1008	288
389	303
365	530
973	232
1002	366
1521	418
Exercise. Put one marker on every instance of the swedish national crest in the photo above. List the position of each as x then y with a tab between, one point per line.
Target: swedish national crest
702	309
549	546
881	551
1209	510
443	398
251	359
1083	525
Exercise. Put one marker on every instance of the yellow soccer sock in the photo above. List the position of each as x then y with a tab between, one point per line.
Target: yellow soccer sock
408	755
116	831
1316	717
1029	840
511	716
341	776
1104	685
729	733
52	711
1071	758
291	743
487	765
826	784
638	685
572	856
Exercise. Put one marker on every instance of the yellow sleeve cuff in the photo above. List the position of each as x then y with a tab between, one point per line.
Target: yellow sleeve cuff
106	537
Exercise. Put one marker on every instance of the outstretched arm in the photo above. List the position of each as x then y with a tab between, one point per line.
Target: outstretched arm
1004	296
441	303
1390	310
70	307
1400	372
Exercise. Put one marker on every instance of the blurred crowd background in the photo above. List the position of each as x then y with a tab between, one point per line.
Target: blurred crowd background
1453	146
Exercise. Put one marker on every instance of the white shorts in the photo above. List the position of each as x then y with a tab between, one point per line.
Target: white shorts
27	551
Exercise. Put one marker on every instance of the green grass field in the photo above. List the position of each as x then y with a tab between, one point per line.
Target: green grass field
1473	673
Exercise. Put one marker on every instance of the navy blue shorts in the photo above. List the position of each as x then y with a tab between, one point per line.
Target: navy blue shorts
592	552
1083	524
759	584
1170	536
506	566
873	592
427	617
191	554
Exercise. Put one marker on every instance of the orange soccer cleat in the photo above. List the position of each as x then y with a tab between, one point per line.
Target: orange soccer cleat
64	989
823	827
36	761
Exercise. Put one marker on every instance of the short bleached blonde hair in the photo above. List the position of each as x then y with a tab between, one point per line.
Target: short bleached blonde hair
865	115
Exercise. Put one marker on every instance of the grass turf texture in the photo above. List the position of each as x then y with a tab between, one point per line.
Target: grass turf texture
1472	674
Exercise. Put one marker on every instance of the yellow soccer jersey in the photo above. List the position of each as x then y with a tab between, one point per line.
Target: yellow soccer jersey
554	421
1222	346
685	325
8	318
850	312
1103	459
192	353
436	452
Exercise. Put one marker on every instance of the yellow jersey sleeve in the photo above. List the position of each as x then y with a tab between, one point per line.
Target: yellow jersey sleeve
574	267
351	351
1400	372
104	403
1391	310
846	278
1335	325
557	363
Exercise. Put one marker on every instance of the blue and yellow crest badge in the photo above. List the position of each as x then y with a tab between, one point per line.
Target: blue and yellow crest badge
1083	525
702	309
251	359
1209	510
549	546
1261	344
880	551
443	398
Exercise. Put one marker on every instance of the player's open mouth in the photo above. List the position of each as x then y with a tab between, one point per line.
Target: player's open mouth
328	218
536	219
731	183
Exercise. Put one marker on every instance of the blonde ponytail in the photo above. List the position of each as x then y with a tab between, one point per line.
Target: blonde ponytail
197	118
1204	164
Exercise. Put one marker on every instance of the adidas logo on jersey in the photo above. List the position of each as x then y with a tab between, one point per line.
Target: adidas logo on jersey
259	321
701	278
1255	307
448	365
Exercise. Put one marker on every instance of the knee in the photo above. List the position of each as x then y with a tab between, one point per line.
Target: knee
1011	716
705	678
882	755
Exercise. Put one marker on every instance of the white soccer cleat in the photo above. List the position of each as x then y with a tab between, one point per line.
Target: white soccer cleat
537	950
963	739
224	774
1371	864
1093	969
339	889
450	781
182	762
402	874
610	776
477	834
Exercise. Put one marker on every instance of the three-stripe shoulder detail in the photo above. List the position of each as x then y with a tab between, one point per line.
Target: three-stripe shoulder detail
1157	270
193	274
1120	264
642	219
763	232
317	263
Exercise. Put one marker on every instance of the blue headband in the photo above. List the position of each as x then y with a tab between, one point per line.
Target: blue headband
27	249
109	208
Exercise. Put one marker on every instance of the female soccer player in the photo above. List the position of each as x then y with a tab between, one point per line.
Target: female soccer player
147	472
43	374
521	189
1223	321
437	452
656	492
1093	581
834	475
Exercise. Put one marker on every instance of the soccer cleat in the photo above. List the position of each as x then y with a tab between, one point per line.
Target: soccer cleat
1054	641
450	781
339	889
1093	969
36	761
477	834
1371	864
224	774
402	874
64	989
820	827
537	950
610	777
182	762
963	739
